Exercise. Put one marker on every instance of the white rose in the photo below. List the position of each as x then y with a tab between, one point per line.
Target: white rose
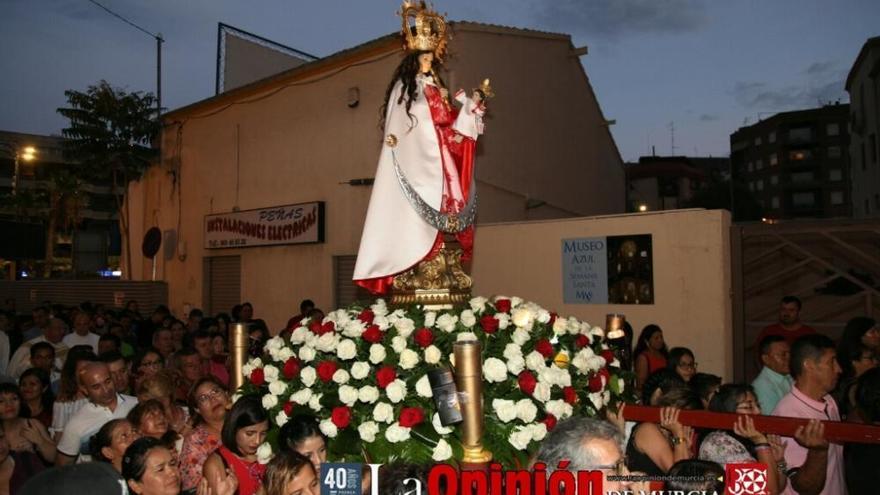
503	320
249	367
285	354
466	337
299	334
512	350
348	395
478	304
538	431
621	384
396	433
522	318
302	396
381	322
379	308
494	370
597	331
368	394
354	328
559	408
432	354
315	402
581	360
467	318
423	387
264	453
430	319
595	363
306	354
277	388
396	391
281	418
328	428
346	349
526	410
516	365
446	322
405	327
542	315
438	426
536	361
360	370
574	326
341	376
520	337
442	451
520	438
377	353
560	326
398	343
383	413
597	399
542	392
327	342
367	430
308	375
270	401
515	301
504	409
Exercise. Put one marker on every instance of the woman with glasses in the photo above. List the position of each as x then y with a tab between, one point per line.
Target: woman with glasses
681	360
208	402
744	443
146	364
109	444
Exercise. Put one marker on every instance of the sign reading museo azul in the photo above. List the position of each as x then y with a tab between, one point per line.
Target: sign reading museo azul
291	224
608	270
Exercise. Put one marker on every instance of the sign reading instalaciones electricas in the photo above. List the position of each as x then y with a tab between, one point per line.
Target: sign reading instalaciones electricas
290	224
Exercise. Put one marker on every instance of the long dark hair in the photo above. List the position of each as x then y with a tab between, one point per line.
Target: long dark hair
297	429
47	398
247	411
406	73
725	400
644	337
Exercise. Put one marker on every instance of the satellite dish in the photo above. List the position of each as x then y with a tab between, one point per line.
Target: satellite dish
152	241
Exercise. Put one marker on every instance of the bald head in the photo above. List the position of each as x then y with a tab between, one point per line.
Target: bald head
96	383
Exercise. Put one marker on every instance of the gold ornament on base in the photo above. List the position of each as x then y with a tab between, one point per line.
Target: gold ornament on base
436	283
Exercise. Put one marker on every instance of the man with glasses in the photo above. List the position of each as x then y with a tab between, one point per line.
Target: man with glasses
774	381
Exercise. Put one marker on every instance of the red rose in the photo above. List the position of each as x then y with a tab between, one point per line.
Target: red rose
288	408
502	305
411	416
326	369
596	381
581	341
545	348
550	421
366	316
341	416
608	355
489	323
385	375
423	337
570	395
315	327
291	368
257	377
527	382
372	334
553	317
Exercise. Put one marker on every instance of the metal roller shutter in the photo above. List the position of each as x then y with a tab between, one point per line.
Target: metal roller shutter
223	283
345	291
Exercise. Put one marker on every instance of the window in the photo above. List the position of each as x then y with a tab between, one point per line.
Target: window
759	164
758	141
772	137
774	179
774	202
833	152
774	160
799	155
836	197
832	129
751	167
802	177
751	186
835	175
760	185
800	134
803	199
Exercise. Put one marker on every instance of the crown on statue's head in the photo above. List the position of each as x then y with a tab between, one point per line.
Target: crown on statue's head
423	29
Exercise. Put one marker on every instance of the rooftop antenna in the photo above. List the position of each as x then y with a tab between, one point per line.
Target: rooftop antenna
672	138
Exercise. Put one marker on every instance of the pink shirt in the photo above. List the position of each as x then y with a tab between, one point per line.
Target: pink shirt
796	404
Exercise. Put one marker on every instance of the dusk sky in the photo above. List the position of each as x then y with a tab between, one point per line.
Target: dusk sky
707	66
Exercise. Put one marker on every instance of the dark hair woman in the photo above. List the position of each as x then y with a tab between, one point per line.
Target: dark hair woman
147	363
681	360
149	419
856	354
208	401
291	473
111	441
650	353
301	434
30	445
36	393
654	448
70	398
244	430
150	468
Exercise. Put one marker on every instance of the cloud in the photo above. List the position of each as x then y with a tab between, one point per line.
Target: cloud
709	117
614	18
819	68
761	96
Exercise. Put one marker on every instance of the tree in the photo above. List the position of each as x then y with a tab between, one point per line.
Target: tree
111	133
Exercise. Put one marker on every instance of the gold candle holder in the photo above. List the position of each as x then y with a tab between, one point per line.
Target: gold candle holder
469	381
238	352
614	326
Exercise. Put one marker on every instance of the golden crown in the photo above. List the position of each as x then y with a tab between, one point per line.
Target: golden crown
423	29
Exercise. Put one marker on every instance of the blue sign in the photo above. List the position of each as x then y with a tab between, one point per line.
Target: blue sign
585	270
341	478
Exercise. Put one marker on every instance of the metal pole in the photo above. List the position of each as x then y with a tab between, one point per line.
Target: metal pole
238	349
15	175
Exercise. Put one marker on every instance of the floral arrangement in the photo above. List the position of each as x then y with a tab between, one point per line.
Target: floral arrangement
362	371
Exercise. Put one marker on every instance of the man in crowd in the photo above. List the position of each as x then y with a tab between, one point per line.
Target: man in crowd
40	316
118	367
43	357
201	341
189	369
194	319
790	325
306	306
82	332
815	466
53	335
163	341
103	404
774	380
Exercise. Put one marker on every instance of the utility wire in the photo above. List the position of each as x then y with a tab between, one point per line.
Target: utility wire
123	19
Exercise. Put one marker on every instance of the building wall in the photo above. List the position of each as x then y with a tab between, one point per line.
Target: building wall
864	94
546	153
692	281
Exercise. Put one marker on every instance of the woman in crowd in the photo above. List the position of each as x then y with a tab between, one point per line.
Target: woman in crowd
161	387
862	330
218	345
301	435
149	420
208	401
32	449
109	444
682	361
146	364
654	448
659	383
650	353
705	386
862	475
36	393
243	432
70	397
149	468
856	353
178	331
289	473
745	443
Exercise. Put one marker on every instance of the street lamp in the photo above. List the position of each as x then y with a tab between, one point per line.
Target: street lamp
21	153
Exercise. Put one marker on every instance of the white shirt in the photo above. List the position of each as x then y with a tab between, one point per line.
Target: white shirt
73	339
87	421
21	360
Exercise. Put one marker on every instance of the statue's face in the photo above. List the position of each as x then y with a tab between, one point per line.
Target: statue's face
425	61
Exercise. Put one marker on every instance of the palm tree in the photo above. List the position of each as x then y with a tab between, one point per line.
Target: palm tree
111	134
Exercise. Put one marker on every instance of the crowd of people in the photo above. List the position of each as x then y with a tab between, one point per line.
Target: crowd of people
147	397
